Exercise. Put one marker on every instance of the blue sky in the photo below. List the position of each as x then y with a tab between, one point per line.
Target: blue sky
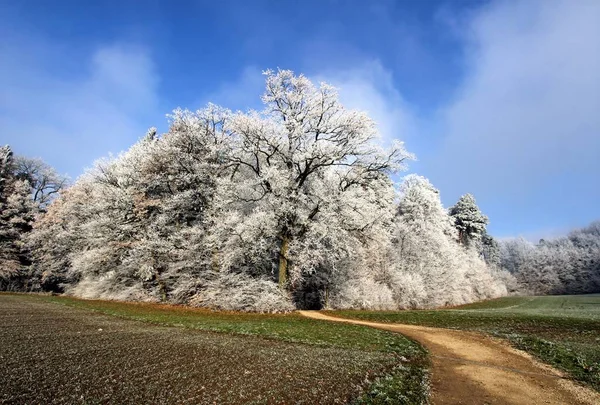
497	98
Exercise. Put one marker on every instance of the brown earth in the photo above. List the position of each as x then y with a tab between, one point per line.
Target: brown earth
473	369
54	354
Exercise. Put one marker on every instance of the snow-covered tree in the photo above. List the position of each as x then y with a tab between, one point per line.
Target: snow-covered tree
469	220
490	250
425	266
17	213
45	183
135	219
6	168
585	260
566	265
258	211
427	253
308	178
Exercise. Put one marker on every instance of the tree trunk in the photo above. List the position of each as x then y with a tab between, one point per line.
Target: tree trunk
215	260
283	261
162	288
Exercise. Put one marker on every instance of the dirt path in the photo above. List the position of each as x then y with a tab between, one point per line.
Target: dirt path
470	368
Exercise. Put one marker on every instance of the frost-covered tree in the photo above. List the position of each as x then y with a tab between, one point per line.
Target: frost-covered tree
469	220
6	168
135	226
132	221
490	250
226	198
17	213
529	265
427	253
426	267
566	265
45	183
26	187
56	235
585	260
258	211
308	178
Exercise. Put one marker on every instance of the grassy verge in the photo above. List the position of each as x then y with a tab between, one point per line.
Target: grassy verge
407	384
405	377
561	331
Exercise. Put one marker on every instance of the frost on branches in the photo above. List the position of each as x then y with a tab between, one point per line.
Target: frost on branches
307	183
425	267
566	265
292	206
17	213
469	220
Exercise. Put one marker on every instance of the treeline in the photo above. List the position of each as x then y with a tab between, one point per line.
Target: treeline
566	265
290	207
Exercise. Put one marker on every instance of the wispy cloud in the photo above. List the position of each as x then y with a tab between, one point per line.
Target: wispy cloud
523	131
71	118
528	109
242	93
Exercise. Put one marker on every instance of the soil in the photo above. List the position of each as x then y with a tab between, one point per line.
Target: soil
473	369
55	354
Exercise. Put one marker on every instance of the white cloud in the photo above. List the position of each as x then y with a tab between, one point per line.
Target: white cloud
529	108
72	117
242	93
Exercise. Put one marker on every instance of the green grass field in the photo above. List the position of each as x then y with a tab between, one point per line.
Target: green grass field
560	330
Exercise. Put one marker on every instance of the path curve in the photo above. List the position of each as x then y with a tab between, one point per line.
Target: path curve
469	368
